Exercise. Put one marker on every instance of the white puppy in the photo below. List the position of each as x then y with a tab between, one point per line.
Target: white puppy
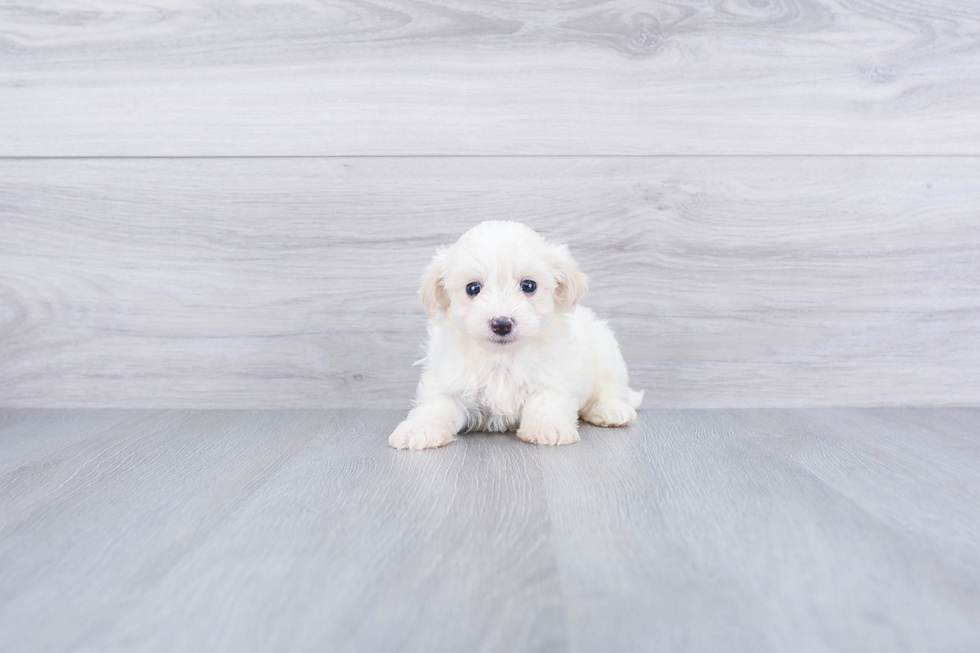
509	347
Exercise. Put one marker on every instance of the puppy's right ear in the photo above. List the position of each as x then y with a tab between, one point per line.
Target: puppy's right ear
432	292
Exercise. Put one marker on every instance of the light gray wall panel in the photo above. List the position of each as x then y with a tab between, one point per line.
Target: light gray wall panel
762	281
188	77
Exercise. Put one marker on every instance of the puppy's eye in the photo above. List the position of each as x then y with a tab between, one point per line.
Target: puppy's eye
528	286
473	289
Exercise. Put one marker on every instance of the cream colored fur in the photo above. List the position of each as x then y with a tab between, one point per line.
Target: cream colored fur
560	362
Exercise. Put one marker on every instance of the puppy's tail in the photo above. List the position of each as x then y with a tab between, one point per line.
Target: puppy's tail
634	398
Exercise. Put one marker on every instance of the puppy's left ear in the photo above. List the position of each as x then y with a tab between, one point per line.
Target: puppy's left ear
432	291
572	283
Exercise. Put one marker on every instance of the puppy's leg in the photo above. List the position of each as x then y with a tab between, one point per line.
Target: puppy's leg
433	423
609	412
549	418
613	402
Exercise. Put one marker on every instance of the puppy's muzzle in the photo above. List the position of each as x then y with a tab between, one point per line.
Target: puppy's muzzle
501	325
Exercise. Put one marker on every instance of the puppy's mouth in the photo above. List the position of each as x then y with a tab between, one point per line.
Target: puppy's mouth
502	340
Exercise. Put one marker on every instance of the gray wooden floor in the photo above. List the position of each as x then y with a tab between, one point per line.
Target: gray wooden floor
695	530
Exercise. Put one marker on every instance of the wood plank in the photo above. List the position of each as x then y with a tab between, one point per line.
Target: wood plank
691	532
32	434
291	282
869	457
169	78
243	530
804	530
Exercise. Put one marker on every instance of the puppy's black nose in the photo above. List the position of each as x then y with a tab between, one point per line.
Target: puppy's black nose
501	325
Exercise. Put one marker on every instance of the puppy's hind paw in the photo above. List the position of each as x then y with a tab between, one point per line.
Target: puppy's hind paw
610	413
412	435
550	434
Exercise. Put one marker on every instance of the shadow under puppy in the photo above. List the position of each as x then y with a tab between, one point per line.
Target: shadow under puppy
510	348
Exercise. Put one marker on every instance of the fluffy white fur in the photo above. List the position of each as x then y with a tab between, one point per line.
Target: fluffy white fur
559	362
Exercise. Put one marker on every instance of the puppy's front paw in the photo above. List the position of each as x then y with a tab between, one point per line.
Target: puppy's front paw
412	435
548	433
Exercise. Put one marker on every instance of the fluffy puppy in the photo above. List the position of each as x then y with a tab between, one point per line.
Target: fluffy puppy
509	347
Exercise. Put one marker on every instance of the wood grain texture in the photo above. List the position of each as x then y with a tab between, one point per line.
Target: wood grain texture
298	77
272	531
291	282
701	533
747	530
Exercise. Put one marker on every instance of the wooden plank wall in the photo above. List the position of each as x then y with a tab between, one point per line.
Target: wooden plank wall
224	204
463	77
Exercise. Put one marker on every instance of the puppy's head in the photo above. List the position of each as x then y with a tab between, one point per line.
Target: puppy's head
501	283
